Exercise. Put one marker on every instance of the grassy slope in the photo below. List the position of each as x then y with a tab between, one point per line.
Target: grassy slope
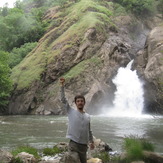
76	20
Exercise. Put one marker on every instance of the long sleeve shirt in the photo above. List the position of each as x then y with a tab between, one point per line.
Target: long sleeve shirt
79	123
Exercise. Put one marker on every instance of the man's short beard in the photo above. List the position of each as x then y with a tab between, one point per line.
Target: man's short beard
80	108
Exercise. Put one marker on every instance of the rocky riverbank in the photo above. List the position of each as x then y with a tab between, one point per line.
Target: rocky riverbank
101	154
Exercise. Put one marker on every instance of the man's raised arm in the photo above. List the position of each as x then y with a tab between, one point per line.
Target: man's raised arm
63	98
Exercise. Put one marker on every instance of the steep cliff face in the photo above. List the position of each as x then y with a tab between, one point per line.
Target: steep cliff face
150	66
85	44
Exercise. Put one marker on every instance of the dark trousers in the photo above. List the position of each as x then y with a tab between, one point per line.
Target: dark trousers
78	150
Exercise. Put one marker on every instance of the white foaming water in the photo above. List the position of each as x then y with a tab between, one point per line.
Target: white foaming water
129	98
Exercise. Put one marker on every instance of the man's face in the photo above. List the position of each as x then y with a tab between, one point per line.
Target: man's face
80	103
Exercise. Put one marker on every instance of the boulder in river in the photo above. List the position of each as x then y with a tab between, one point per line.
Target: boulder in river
5	156
94	160
26	157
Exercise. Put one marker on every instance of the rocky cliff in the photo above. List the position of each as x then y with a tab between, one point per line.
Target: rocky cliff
149	63
87	44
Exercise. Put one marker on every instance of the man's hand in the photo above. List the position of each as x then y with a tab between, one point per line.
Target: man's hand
92	146
62	81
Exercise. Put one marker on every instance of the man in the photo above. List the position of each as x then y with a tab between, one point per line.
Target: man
78	131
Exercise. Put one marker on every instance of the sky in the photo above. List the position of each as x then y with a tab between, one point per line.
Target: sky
10	3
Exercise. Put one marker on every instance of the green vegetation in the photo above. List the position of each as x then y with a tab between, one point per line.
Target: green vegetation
17	160
51	151
18	28
104	156
44	3
80	17
135	146
26	149
119	10
5	81
138	7
17	54
81	67
160	6
76	20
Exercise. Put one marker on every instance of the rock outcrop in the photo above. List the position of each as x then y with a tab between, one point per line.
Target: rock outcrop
149	64
5	156
94	160
26	157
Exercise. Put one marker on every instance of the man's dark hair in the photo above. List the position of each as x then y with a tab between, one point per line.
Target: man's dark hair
79	96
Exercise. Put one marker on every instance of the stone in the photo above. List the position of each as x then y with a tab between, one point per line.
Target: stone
62	146
70	158
50	161
5	156
97	142
94	160
153	157
46	112
101	146
26	157
40	110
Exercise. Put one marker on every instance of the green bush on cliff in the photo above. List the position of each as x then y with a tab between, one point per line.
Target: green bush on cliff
82	66
119	10
138	7
17	54
5	82
160	7
47	3
19	27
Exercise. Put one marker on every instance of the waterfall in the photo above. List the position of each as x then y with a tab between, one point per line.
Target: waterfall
129	94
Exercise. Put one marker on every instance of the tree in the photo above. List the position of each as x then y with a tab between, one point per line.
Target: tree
4	11
18	4
138	7
10	31
160	6
17	54
18	28
5	81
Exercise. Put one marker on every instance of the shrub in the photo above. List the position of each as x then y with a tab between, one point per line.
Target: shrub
138	7
19	27
51	151
160	6
119	10
17	160
147	146
134	147
17	54
104	156
26	149
5	81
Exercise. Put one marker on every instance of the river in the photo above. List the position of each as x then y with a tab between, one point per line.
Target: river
45	131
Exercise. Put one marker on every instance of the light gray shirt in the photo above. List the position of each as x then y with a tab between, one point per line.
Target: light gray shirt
79	123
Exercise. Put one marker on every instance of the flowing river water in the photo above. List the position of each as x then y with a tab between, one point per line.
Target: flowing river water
46	131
